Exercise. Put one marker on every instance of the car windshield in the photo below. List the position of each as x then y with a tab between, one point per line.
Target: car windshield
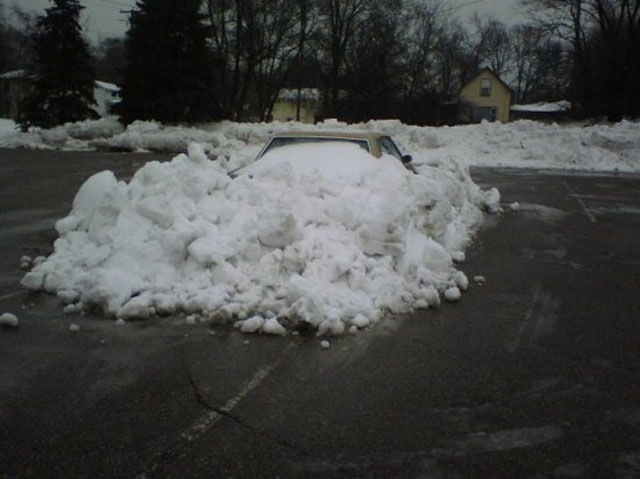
280	141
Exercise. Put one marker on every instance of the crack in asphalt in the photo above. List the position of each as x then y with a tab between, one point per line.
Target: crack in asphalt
199	398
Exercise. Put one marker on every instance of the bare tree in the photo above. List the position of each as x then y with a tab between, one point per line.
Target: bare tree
341	20
255	40
423	32
493	44
604	38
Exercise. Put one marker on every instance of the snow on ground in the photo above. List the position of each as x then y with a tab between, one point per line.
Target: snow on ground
334	242
519	144
70	136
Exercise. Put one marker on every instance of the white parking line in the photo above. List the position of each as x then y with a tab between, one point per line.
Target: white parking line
210	418
579	200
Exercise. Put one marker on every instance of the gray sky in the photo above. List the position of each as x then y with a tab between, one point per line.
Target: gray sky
100	18
103	18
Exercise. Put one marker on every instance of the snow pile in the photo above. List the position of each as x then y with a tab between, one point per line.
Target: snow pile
519	144
70	136
331	237
544	107
523	144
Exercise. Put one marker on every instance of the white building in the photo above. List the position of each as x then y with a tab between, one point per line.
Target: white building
107	95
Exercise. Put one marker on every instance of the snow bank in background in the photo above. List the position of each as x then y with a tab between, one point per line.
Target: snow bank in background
70	136
7	128
332	247
543	107
523	144
520	144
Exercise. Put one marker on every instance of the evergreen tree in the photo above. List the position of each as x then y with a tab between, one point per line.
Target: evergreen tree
63	70
171	73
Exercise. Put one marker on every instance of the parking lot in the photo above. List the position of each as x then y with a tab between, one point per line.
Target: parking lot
534	374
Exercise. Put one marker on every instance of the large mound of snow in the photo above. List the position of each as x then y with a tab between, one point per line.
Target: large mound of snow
336	244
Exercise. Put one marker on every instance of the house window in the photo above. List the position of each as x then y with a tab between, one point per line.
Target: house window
485	87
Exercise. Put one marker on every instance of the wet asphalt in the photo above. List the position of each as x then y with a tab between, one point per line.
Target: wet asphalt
534	374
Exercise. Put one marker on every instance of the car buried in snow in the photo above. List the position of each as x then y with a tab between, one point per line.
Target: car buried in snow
375	144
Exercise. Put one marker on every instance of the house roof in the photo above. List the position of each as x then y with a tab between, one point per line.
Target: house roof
107	86
489	70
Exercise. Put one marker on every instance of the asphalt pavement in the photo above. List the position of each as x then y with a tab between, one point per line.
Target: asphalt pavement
533	374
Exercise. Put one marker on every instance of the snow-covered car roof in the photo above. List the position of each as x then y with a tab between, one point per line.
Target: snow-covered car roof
369	141
375	144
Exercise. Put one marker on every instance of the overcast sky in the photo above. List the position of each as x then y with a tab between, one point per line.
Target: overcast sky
105	18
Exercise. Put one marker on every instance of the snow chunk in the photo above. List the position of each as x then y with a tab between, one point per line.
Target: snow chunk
324	344
452	294
251	325
458	256
9	320
136	307
332	327
33	280
72	308
480	280
74	328
492	200
461	280
272	326
25	262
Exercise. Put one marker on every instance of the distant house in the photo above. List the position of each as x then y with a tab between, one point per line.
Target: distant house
541	111
107	95
16	85
286	105
486	97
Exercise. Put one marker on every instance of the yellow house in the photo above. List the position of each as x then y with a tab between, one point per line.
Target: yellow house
486	97
286	105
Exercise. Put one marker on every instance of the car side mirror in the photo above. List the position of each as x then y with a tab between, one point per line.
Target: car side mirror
407	159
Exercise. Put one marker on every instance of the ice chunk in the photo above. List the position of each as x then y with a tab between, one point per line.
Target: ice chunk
492	200
250	325
9	319
479	279
136	307
272	326
452	294
33	280
461	280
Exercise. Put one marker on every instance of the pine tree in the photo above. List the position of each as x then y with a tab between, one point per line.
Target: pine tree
63	71
171	73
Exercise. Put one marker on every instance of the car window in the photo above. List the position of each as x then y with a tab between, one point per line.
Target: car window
280	141
387	146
